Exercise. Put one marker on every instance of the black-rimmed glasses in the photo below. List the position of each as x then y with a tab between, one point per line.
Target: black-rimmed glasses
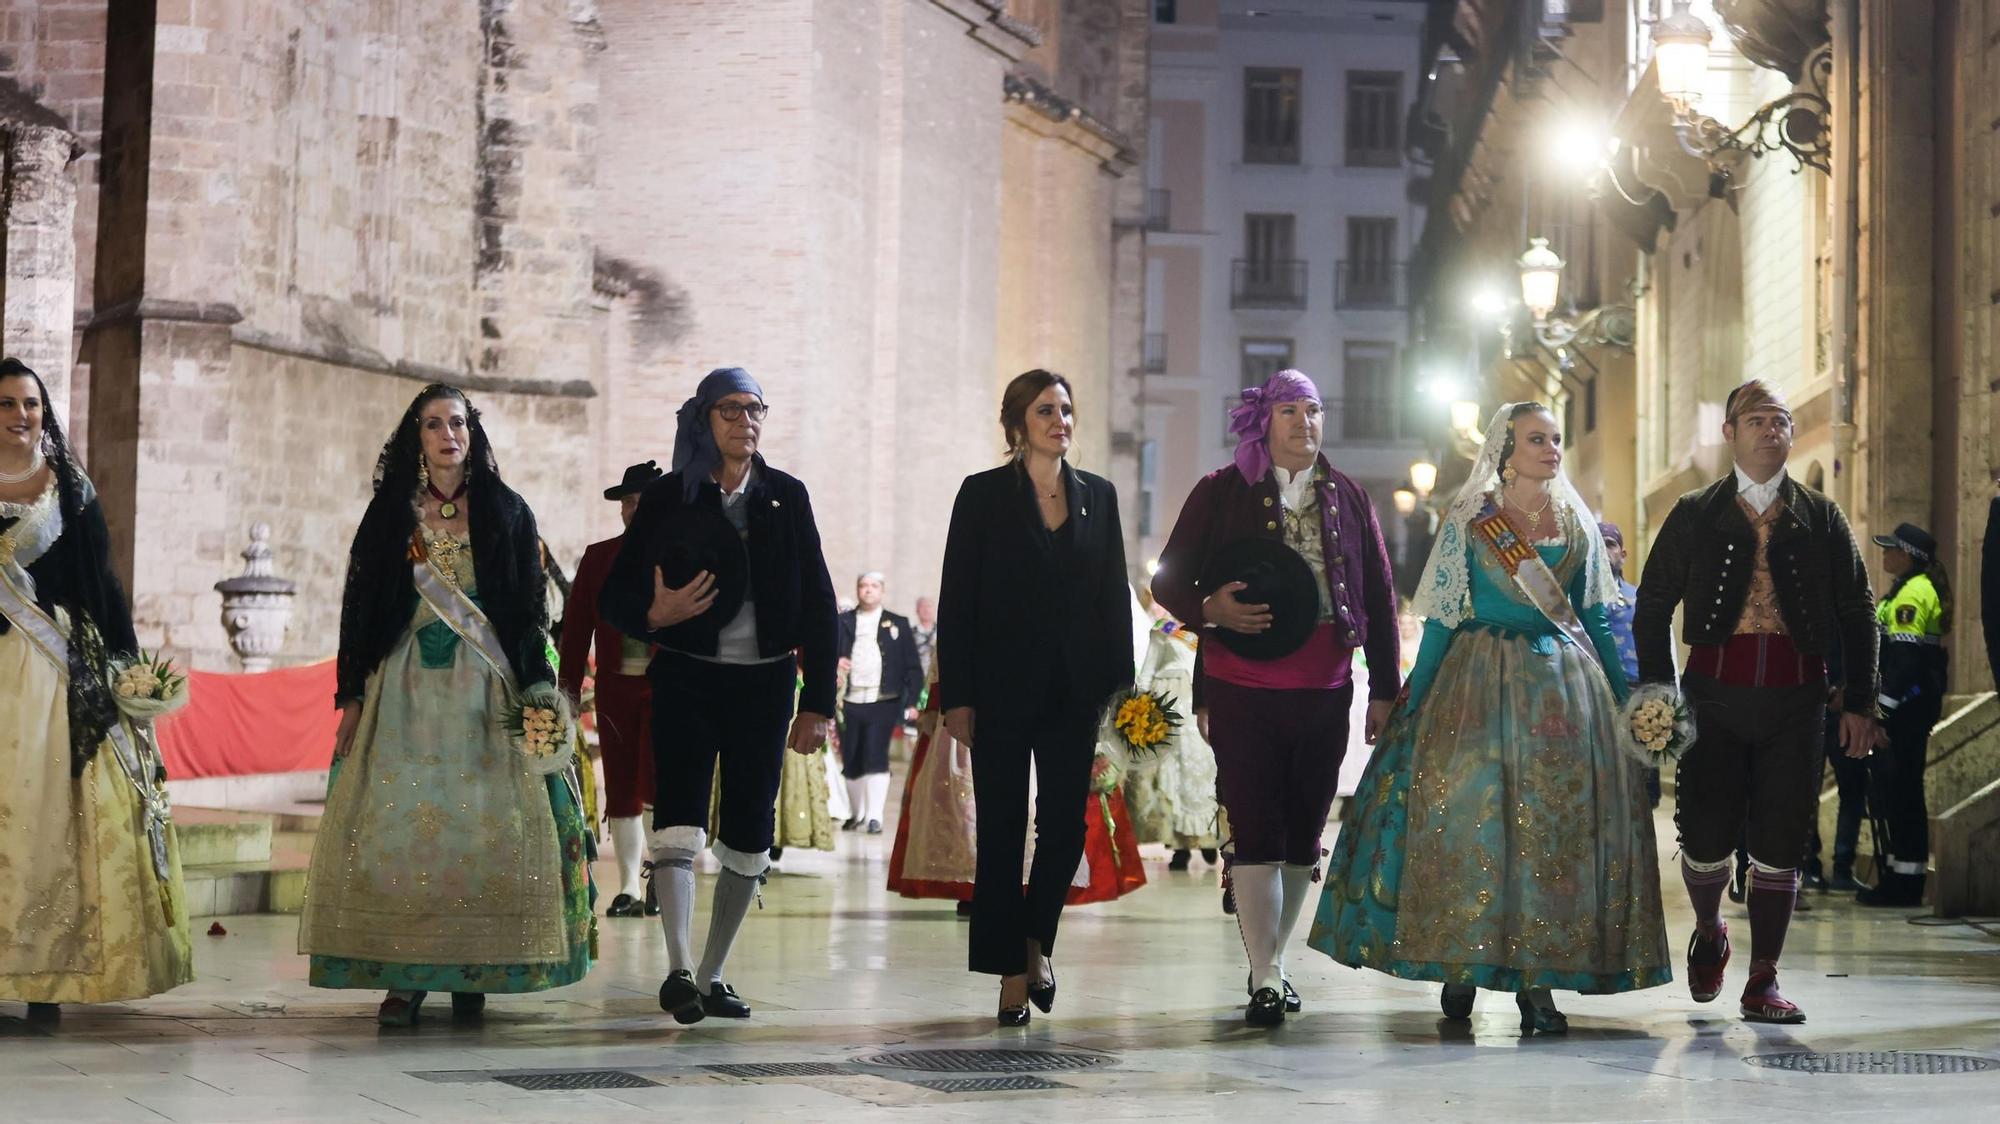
734	411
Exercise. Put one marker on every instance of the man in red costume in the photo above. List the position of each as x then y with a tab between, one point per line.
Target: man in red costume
624	700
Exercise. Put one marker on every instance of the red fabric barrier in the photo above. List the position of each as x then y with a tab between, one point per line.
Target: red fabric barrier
234	725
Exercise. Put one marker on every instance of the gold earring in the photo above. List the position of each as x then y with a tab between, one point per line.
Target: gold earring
423	471
1507	474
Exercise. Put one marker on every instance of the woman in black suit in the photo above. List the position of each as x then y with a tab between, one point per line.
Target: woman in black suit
1036	602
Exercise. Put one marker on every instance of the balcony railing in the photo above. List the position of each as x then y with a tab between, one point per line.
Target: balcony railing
1365	419
1153	353
1267	283
1159	209
1369	284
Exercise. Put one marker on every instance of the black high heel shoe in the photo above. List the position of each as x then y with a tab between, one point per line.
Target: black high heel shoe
1014	1016
1044	995
1457	1001
1540	1018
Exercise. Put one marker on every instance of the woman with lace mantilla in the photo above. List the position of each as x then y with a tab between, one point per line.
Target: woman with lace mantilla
1499	838
448	858
91	903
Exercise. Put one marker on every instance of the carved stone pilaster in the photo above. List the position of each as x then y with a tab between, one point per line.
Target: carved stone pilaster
38	209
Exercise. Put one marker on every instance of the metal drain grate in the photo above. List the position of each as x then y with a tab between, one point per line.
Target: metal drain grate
575	1079
1018	1084
985	1061
783	1069
1893	1062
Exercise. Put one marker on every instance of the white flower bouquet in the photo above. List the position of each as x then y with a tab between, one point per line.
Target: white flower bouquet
539	724
148	688
1656	726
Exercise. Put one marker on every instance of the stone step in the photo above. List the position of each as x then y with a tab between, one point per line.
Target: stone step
273	886
211	836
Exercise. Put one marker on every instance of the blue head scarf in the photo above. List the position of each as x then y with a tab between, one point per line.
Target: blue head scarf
695	454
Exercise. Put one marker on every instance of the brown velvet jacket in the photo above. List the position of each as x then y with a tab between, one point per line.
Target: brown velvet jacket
1702	563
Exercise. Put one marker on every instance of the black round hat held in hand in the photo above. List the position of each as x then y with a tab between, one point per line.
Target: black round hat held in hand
1273	574
694	539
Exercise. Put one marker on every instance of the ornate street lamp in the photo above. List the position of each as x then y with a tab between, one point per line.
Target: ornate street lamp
1680	56
1795	124
1541	278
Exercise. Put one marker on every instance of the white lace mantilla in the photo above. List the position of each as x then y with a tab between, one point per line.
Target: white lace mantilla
1444	594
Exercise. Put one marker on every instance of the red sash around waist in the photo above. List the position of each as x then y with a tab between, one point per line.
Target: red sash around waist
1756	660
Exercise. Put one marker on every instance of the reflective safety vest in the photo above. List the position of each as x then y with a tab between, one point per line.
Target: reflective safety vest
1913	655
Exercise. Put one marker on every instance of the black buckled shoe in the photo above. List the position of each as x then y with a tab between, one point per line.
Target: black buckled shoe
1456	1001
1180	859
1267	1008
625	905
1293	1005
723	1002
681	999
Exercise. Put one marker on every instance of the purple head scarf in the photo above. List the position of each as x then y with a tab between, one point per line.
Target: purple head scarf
1251	422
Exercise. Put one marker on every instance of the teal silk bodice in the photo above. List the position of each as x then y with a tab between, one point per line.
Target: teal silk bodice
1504	608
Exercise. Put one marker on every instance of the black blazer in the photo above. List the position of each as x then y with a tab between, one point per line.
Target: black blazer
1002	614
788	579
902	668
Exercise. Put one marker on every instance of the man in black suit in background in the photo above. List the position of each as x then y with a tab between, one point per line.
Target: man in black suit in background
884	675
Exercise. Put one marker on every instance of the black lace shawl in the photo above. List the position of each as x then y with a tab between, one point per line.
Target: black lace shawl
381	596
75	575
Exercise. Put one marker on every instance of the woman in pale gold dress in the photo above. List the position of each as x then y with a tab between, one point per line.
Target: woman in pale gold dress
447	859
91	908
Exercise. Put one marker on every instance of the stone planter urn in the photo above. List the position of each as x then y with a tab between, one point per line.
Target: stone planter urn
256	606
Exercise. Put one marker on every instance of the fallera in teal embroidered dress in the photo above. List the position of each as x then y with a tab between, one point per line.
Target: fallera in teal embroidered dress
1499	836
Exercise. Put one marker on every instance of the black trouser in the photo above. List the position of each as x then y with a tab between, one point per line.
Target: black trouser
1751	776
737	713
1897	789
864	736
1061	743
1850	782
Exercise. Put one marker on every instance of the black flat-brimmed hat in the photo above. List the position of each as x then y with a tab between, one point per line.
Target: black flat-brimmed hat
1272	574
693	539
636	479
1911	540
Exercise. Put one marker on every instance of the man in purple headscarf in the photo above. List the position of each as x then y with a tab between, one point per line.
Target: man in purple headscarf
1279	726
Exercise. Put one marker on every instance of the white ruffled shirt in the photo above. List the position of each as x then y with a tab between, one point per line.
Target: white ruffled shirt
1760	497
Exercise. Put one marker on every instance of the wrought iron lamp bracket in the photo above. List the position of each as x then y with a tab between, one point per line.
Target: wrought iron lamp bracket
1796	124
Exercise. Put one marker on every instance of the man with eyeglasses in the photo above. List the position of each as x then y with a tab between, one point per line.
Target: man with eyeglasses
733	652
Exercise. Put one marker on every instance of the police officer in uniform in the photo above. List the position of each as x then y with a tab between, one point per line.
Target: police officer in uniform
1915	618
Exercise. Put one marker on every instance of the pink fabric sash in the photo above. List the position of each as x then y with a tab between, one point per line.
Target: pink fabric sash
1323	663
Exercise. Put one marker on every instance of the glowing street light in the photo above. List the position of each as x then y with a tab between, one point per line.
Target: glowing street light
1579	146
1406	501
1680	56
1489	303
1423	477
1541	278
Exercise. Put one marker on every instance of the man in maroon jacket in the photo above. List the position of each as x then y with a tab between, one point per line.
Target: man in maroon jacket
624	700
1279	725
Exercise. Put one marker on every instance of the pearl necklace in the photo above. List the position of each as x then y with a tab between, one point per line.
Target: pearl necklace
34	466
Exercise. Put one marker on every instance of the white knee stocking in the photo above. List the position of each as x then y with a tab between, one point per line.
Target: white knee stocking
878	794
628	843
1259	903
1297	883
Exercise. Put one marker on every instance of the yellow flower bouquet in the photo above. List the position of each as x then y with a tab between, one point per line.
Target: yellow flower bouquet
148	687
1144	720
1656	725
539	724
